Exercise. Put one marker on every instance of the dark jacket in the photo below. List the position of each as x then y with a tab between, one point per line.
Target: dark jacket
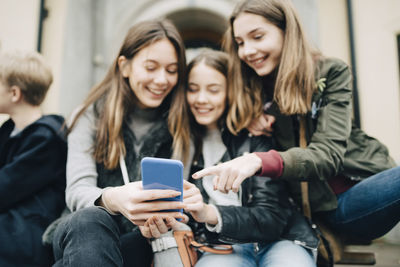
335	146
266	214
32	185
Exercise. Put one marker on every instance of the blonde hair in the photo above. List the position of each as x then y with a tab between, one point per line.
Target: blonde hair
113	98
29	72
183	124
294	80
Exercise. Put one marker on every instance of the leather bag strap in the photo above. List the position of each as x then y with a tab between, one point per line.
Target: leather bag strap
217	249
188	255
304	184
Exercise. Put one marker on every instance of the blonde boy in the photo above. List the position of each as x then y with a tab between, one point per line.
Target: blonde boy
32	160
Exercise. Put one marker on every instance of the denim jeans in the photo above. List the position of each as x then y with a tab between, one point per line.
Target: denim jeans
91	237
370	208
275	254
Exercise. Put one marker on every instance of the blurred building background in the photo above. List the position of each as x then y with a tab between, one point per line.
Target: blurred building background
79	38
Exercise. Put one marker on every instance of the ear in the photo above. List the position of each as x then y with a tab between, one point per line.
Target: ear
16	94
124	66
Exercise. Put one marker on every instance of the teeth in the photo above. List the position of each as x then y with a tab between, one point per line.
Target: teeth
202	110
156	92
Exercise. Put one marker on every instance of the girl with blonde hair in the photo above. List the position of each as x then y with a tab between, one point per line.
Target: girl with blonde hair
291	91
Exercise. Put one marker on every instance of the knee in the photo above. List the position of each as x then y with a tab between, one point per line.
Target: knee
277	255
89	220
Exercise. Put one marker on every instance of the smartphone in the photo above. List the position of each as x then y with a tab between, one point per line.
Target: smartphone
159	173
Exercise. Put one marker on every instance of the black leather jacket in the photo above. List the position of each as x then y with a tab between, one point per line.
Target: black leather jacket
267	214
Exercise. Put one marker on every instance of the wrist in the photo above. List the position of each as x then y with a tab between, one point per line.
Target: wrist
211	215
257	162
107	200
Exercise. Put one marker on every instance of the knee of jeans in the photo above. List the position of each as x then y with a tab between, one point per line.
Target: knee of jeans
89	218
286	253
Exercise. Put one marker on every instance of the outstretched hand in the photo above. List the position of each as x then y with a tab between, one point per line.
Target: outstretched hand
230	175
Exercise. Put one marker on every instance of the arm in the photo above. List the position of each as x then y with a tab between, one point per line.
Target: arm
324	155
82	190
263	219
264	216
26	174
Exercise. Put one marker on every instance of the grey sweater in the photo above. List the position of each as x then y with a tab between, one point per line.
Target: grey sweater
84	186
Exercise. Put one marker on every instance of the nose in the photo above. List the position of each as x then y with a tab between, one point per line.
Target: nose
249	50
161	77
201	97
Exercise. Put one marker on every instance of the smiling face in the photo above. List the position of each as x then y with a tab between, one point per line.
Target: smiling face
152	72
206	95
259	42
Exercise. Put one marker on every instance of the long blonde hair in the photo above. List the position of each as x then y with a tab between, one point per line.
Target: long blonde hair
294	82
183	124
113	97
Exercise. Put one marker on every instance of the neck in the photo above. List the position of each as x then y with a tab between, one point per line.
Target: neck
268	83
25	115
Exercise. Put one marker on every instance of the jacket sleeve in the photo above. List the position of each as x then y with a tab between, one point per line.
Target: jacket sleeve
263	220
324	155
39	161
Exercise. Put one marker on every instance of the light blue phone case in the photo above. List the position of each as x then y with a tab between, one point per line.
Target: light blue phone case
159	173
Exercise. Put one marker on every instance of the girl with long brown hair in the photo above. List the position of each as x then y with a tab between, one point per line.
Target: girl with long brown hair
123	119
304	100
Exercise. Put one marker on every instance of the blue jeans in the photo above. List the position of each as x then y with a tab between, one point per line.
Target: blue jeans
370	208
91	237
275	254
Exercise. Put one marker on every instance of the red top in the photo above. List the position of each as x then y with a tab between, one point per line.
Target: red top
272	164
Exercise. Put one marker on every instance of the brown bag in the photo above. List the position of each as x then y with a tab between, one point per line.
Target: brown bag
188	247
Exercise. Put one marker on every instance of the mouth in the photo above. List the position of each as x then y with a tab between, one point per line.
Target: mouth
258	62
202	110
156	92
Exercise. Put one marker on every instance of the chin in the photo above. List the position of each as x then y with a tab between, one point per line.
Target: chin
153	104
263	72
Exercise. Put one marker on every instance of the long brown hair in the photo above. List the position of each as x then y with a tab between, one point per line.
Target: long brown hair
184	123
294	83
113	97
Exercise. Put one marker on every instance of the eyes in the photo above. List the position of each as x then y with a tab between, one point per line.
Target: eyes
253	37
212	88
151	66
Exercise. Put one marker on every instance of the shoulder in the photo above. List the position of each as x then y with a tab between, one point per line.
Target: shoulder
47	127
333	74
325	65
